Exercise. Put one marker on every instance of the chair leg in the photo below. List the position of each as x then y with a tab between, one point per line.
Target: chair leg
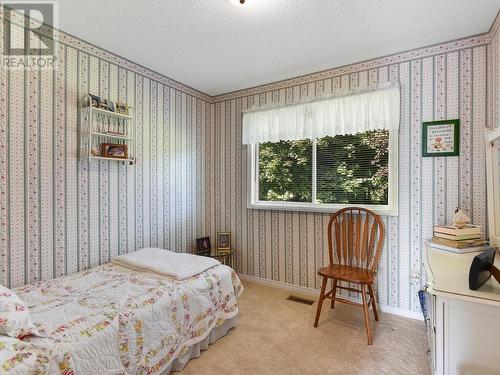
367	316
320	301
374	304
334	292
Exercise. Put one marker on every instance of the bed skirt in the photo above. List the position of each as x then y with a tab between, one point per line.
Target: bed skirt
194	351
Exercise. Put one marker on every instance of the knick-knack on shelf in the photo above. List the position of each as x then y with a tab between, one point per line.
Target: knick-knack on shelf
460	219
94	151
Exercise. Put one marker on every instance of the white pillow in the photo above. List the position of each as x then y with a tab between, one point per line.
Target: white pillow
15	319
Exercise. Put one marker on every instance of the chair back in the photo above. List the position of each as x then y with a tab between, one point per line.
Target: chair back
355	238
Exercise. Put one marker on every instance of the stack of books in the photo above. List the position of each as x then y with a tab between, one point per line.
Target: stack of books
460	238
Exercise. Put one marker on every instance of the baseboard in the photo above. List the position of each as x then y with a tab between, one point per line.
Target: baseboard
314	292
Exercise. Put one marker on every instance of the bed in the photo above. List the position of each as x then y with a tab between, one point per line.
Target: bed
115	320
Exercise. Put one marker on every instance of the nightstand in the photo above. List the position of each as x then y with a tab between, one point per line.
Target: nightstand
228	258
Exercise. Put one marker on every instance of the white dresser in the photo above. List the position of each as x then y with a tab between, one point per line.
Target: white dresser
464	325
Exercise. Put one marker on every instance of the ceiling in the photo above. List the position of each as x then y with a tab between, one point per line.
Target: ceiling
217	46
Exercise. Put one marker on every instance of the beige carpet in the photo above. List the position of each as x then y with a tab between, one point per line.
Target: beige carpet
276	336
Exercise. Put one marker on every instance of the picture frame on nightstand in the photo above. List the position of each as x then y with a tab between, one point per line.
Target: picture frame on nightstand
223	242
203	245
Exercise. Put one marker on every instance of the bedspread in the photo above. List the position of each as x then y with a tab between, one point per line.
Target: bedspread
110	320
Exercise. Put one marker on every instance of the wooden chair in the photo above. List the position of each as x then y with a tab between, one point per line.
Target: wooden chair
355	240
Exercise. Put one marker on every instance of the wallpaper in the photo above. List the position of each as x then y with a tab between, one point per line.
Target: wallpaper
59	214
446	81
494	73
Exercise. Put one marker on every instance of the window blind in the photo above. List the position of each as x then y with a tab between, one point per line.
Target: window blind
353	169
349	169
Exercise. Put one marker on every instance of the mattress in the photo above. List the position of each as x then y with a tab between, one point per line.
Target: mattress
112	320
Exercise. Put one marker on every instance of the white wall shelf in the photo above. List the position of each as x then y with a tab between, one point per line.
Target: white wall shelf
106	112
99	126
130	161
111	135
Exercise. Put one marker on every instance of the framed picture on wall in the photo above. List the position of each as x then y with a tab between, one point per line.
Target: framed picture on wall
441	138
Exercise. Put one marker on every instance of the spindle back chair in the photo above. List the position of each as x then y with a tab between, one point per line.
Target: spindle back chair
355	240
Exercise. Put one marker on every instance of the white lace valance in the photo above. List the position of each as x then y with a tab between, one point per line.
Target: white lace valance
350	114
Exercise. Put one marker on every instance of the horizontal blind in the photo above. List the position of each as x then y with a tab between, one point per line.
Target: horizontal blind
285	171
353	169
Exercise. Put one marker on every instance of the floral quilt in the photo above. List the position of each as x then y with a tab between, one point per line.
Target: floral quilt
111	320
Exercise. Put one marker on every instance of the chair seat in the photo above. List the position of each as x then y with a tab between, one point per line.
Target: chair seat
347	273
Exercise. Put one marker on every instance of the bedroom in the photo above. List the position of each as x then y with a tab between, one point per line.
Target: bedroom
242	133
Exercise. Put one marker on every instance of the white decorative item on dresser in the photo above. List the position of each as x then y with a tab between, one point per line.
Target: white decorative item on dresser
103	130
463	324
493	188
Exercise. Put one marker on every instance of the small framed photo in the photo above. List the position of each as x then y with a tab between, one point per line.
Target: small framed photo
203	245
441	138
110	150
95	100
103	104
223	242
122	108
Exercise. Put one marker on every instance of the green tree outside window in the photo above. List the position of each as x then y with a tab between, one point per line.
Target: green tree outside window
350	169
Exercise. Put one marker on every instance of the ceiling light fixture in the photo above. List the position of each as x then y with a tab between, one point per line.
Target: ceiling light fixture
238	2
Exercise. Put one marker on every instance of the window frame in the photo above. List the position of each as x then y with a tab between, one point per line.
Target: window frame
391	209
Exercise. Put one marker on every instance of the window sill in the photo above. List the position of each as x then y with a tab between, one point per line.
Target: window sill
326	208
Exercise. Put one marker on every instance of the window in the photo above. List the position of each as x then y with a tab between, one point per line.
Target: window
326	154
327	173
285	171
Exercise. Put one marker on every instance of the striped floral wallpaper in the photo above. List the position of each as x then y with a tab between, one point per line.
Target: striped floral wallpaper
494	73
439	82
58	214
